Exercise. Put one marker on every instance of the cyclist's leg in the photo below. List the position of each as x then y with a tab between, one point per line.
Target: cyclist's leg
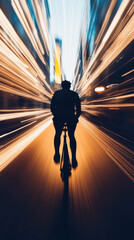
71	128
58	128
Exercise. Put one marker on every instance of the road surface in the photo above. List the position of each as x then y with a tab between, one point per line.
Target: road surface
97	205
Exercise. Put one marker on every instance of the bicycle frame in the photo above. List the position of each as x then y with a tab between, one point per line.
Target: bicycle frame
65	165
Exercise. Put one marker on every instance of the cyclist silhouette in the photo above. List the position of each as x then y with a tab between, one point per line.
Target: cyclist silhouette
66	108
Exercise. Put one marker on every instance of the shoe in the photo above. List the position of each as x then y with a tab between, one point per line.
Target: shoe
74	163
57	158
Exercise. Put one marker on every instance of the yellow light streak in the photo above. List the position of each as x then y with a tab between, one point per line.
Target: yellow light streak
57	64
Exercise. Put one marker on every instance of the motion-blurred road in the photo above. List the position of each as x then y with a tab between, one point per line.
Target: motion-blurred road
99	201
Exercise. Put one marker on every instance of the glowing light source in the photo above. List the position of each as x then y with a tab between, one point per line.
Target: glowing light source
99	89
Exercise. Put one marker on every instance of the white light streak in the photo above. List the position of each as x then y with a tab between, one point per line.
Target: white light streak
8	154
16	130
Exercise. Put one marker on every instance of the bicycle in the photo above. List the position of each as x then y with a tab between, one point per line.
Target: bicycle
65	165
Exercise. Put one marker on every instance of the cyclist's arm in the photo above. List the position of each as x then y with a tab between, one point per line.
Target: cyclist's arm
53	107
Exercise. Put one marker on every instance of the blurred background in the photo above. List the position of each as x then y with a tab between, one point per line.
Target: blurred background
88	42
91	45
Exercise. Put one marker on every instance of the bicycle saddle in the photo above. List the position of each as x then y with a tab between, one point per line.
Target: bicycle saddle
65	127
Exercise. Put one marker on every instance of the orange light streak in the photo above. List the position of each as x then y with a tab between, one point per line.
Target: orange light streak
127	73
9	116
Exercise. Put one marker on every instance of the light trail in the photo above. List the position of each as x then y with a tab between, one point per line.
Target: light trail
18	110
40	15
16	130
25	18
110	105
106	20
20	73
9	116
127	73
119	43
8	154
74	82
120	154
122	97
38	117
118	135
115	71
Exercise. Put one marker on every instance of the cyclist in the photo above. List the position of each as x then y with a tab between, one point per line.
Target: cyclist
66	108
